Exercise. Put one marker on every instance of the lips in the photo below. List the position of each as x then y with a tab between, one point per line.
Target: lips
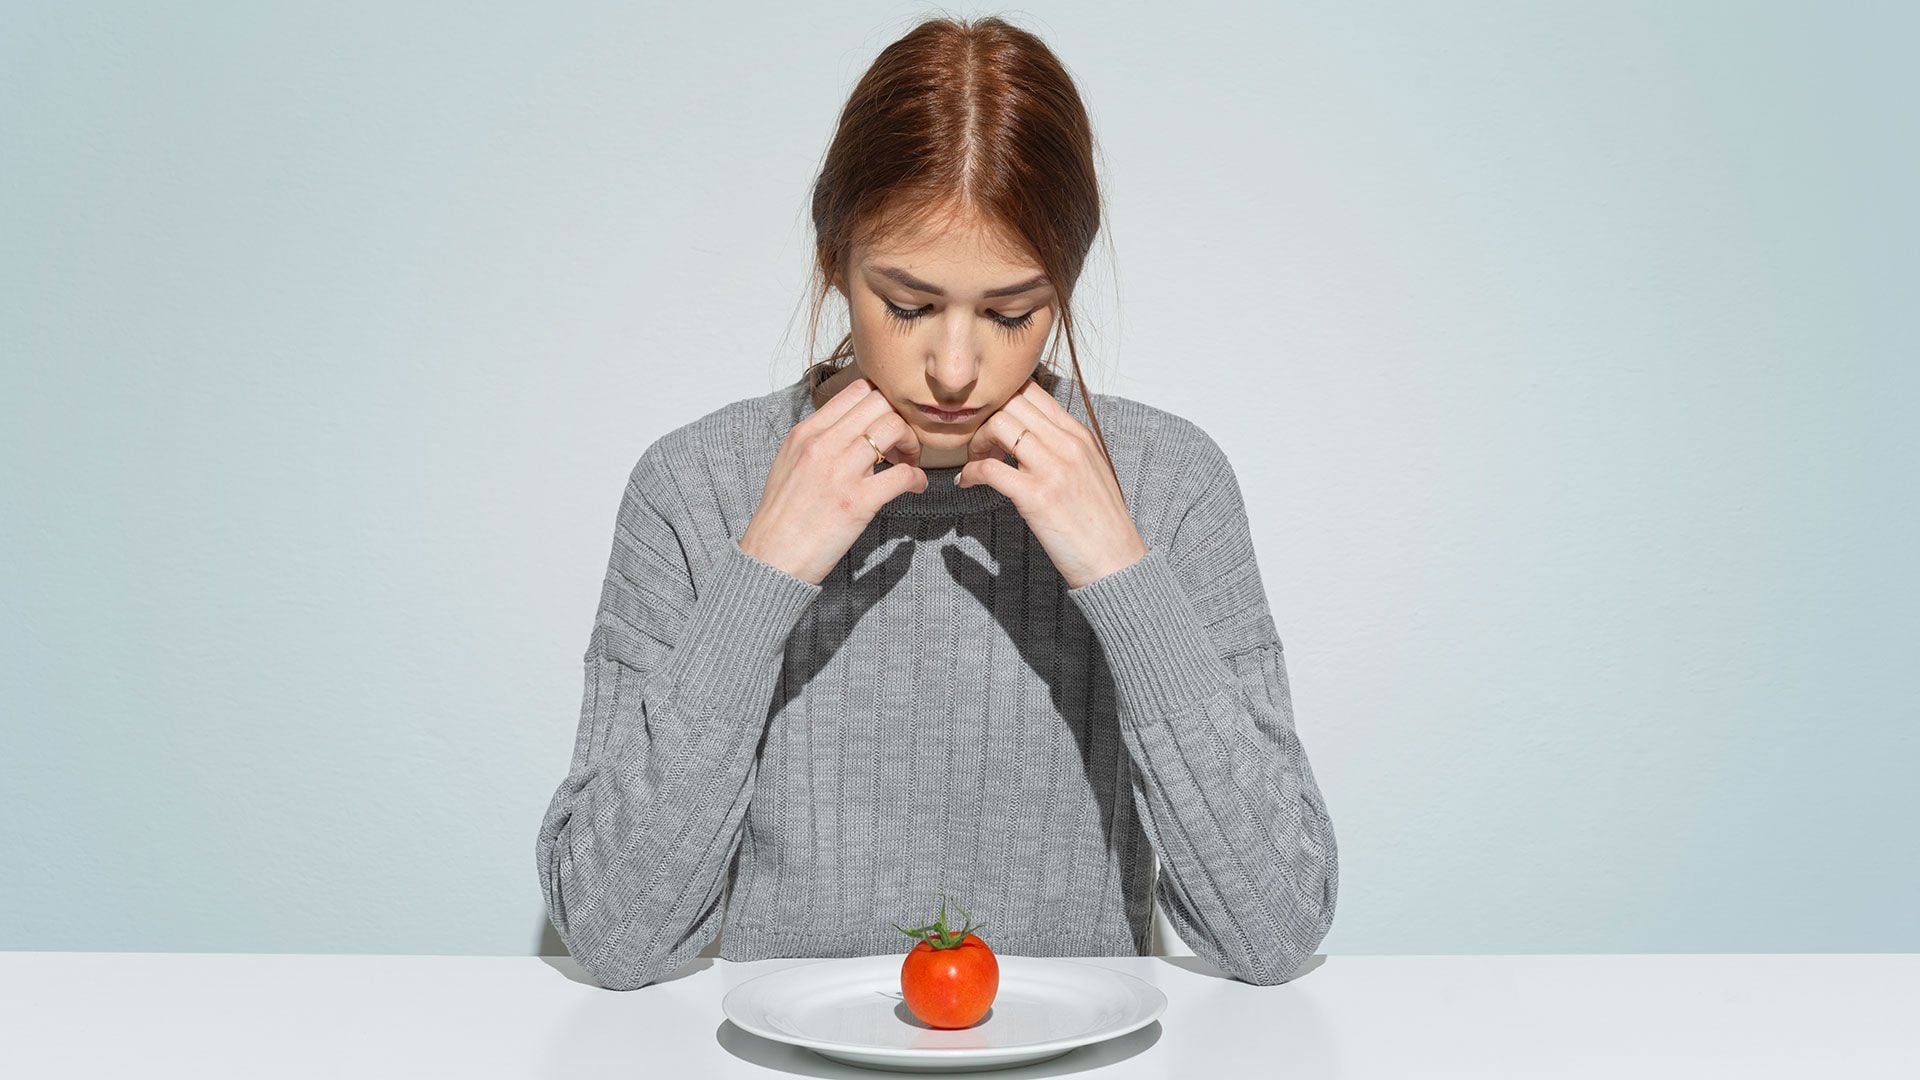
946	417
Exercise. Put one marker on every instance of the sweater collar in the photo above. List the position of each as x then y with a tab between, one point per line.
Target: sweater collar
794	403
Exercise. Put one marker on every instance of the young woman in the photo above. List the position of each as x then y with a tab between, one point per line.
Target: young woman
934	620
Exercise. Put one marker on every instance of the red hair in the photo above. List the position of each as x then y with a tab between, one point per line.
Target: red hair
973	118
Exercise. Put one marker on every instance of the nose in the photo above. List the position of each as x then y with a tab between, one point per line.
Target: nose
953	367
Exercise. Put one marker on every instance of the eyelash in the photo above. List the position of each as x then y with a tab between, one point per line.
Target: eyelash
906	317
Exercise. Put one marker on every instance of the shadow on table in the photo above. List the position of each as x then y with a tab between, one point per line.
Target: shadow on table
798	1060
1202	967
568	966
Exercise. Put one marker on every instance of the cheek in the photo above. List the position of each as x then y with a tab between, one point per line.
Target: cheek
877	341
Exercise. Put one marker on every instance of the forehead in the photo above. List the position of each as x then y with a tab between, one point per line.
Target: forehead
963	251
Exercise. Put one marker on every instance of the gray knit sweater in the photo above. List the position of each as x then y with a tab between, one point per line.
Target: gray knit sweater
797	766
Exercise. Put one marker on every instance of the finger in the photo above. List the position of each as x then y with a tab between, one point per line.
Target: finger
1006	427
995	435
835	407
895	480
1044	429
1050	408
996	474
860	418
1062	426
1067	423
895	438
1057	430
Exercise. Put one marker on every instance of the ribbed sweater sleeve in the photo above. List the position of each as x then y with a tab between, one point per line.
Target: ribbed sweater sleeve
1249	869
680	672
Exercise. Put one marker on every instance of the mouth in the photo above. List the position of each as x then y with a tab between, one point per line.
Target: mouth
945	416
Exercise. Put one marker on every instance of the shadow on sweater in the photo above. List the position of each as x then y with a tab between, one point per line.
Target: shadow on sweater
1045	580
874	580
1044	585
864	591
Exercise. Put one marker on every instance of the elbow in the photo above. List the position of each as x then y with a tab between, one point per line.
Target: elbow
1292	935
1288	950
594	949
1264	976
1270	944
594	939
614	976
613	964
1305	914
585	938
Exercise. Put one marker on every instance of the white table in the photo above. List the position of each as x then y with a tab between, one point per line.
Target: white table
213	1015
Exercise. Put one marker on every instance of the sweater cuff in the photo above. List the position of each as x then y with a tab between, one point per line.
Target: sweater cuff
1157	648
745	613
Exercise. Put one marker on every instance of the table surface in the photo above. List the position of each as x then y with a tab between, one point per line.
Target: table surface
200	1014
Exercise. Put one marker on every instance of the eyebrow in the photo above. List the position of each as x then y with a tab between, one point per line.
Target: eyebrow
917	285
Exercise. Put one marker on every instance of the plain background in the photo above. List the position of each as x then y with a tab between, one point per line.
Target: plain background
1565	353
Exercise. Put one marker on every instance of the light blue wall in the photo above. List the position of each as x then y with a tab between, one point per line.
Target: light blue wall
1566	353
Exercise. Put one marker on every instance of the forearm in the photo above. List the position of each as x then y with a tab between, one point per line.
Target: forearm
1221	782
635	844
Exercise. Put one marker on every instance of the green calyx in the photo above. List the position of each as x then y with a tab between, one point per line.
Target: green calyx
936	933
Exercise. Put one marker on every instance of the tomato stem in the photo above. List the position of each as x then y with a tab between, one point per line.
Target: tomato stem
937	933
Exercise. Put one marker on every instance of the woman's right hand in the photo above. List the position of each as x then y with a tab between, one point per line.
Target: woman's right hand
823	490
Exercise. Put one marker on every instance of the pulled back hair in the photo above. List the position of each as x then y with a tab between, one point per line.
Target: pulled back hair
961	118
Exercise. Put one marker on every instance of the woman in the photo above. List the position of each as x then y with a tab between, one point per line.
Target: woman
854	653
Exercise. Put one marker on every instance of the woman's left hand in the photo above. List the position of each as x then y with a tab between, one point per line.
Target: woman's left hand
1062	486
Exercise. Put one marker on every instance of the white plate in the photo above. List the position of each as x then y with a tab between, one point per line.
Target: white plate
851	1010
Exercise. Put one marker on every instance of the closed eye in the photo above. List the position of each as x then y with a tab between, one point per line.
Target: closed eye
906	316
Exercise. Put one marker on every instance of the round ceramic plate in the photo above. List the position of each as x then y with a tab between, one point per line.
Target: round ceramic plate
851	1010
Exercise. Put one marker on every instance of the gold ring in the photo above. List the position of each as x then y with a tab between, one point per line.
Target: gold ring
1016	445
878	457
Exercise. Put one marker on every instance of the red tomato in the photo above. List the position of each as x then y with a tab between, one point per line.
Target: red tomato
950	988
950	977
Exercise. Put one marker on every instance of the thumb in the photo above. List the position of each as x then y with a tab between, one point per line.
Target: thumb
903	477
